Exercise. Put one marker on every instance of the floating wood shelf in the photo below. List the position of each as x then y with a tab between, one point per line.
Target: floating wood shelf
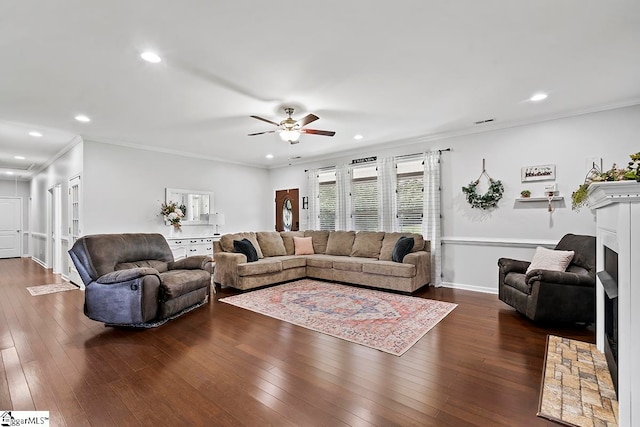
539	199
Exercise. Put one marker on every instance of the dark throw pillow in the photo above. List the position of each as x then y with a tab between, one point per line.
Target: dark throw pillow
403	247
245	247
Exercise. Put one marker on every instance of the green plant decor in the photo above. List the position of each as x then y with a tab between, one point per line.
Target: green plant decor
631	173
525	193
484	201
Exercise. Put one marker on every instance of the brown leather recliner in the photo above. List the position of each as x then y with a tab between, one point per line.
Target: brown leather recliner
132	279
553	296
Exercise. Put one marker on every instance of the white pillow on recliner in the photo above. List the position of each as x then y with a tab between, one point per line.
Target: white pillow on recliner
550	259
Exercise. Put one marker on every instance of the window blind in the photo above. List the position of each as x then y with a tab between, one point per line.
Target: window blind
410	196
364	199
327	200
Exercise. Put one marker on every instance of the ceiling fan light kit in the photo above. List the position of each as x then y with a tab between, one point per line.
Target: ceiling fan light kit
290	129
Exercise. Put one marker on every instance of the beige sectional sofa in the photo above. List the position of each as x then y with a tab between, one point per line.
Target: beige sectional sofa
362	258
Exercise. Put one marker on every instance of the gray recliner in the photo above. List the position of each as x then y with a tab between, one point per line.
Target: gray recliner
132	279
553	296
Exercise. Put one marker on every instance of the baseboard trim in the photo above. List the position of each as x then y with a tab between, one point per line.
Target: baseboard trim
472	288
40	262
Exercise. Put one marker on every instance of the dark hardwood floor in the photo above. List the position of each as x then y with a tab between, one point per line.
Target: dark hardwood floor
222	365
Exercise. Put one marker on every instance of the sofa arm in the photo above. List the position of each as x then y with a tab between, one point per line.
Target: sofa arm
124	297
560	277
226	269
508	265
197	262
422	261
129	274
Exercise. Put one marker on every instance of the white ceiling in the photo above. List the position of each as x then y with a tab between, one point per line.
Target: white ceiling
387	70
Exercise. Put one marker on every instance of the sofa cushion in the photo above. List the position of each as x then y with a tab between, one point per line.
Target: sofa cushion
271	243
340	243
389	268
287	239
402	247
303	245
518	281
176	283
320	261
161	266
289	261
390	239
319	238
367	244
226	241
245	247
348	264
263	266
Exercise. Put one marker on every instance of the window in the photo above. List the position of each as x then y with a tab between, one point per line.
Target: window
364	198
410	196
327	199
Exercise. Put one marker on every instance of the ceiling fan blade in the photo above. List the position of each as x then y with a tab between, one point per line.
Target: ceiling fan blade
260	133
307	119
266	120
318	132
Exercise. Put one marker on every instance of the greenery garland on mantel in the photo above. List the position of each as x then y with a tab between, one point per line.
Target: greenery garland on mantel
484	201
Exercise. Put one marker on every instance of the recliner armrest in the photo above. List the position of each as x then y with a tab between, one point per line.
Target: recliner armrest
560	277
120	276
197	262
508	265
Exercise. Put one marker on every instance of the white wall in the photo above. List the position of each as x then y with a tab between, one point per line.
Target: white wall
15	188
476	239
123	188
66	166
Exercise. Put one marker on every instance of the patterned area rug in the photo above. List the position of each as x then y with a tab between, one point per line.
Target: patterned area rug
50	289
385	321
576	385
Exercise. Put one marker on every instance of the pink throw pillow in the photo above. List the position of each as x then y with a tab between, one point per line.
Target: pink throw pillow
303	245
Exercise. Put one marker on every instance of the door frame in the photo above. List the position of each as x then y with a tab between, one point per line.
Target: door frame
54	228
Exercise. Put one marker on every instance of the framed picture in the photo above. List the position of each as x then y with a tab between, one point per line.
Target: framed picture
538	173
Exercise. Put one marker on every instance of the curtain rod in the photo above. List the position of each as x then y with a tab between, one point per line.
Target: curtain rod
397	157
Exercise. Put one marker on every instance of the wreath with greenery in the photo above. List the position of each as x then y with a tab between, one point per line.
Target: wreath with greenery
484	201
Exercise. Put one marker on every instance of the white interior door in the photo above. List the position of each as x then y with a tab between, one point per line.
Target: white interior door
10	227
74	225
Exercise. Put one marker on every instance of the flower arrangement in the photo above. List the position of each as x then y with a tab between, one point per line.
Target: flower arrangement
173	213
632	172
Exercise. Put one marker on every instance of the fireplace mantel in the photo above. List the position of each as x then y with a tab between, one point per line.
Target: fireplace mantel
601	194
617	209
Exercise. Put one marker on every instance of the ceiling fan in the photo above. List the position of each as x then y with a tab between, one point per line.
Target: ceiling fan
290	129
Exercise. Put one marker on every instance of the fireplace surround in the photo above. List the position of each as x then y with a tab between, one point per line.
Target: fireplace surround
617	209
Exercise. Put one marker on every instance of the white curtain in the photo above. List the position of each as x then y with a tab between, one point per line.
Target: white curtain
387	200
431	227
343	198
313	188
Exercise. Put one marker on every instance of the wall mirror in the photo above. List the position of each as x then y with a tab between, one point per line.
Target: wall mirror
198	204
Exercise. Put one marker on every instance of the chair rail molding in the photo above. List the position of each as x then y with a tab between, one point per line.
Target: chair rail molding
499	241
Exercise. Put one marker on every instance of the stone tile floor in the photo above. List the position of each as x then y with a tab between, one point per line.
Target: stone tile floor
577	389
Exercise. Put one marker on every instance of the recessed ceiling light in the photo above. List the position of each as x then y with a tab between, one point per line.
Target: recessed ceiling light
35	133
150	57
538	97
18	157
269	156
9	173
358	136
82	118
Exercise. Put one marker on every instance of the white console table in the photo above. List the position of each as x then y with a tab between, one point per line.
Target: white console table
617	209
183	247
